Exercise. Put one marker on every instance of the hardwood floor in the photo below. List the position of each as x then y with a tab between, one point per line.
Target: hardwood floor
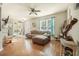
27	48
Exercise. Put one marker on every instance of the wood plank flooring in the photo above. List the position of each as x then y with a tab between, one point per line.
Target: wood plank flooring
27	48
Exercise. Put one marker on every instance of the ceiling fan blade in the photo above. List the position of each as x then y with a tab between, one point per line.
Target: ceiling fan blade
37	10
35	13
31	8
30	13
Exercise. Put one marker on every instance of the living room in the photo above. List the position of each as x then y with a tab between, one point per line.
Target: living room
38	29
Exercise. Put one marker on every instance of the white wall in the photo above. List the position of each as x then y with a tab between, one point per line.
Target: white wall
59	18
73	11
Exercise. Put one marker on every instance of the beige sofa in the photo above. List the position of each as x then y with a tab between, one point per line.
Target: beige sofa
39	37
36	32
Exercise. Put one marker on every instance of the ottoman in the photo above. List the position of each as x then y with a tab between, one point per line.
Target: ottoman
40	39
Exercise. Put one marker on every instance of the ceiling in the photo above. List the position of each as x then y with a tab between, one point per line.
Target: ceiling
45	8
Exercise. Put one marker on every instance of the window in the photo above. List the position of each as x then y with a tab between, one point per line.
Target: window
43	25
47	25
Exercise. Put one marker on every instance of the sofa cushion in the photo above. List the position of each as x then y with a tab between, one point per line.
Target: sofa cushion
40	36
39	32
36	32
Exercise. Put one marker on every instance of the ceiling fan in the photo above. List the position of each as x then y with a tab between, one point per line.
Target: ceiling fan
33	11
